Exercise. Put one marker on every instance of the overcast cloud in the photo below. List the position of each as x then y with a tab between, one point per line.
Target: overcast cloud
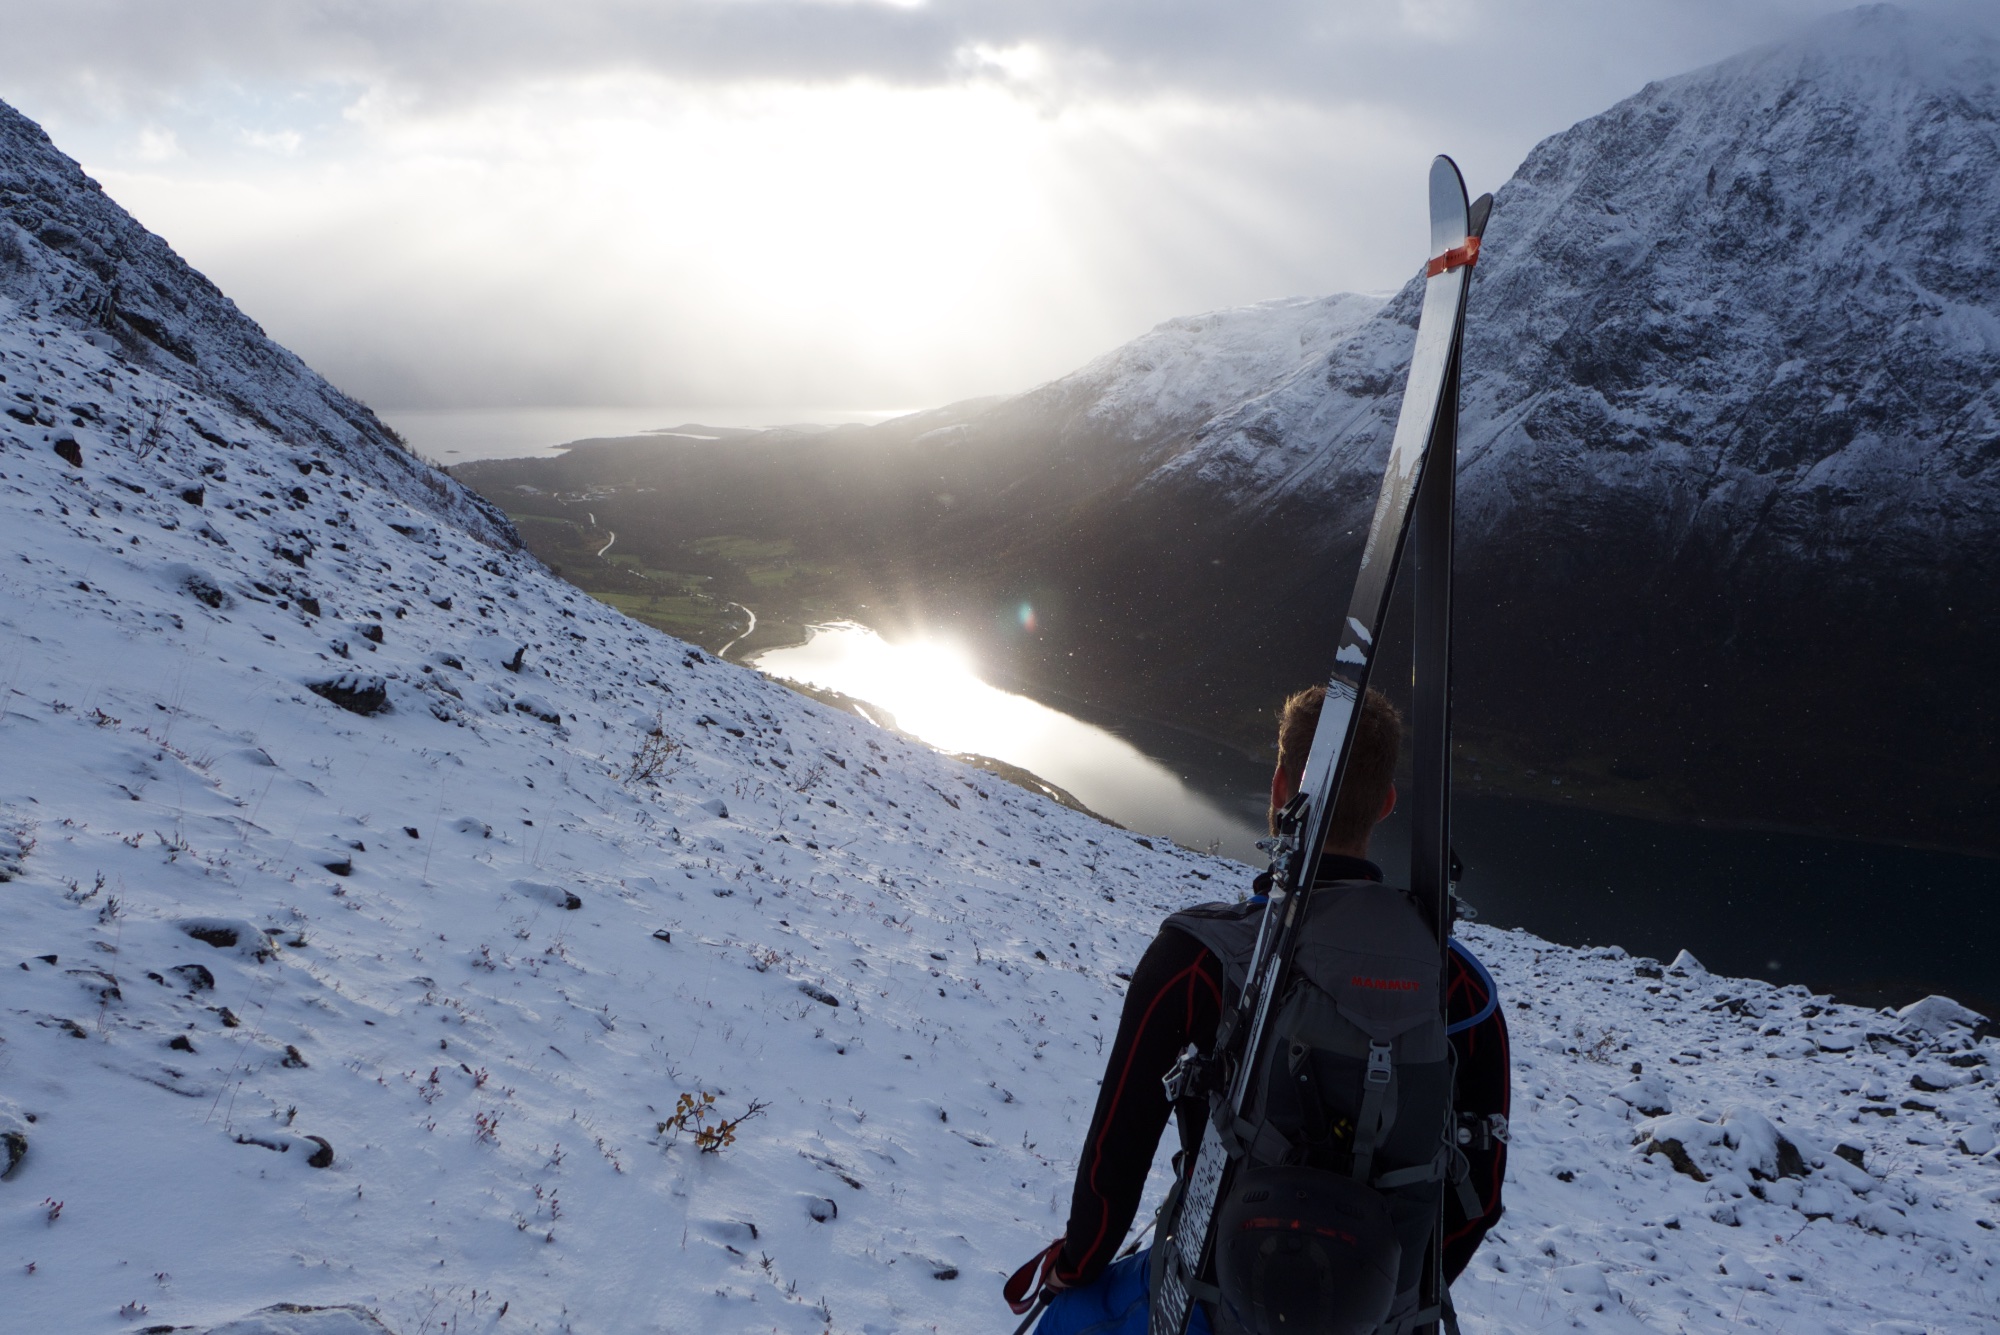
803	202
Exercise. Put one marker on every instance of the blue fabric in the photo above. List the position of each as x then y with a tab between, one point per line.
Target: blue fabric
1114	1305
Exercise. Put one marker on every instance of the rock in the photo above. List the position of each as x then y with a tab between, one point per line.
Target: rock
548	894
197	584
819	994
1647	1094
13	1139
1687	964
1677	1155
536	707
68	450
822	1209
298	1319
1978	1139
662	934
1935	1016
194	977
1854	1154
716	807
244	938
323	1156
356	692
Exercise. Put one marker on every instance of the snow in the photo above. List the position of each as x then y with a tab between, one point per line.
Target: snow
1647	339
496	941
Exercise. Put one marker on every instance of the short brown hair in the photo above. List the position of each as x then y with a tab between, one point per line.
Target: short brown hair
1371	764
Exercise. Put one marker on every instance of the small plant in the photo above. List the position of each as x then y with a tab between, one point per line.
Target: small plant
486	1127
54	1208
691	1115
654	756
132	1309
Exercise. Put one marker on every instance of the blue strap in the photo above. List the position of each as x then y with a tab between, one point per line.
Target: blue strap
1492	992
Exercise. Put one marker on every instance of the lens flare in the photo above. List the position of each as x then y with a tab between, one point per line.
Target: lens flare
1027	615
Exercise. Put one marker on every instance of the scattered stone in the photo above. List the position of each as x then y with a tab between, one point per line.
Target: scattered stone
323	1156
13	1139
181	1043
298	1319
1677	1155
293	1057
819	994
344	867
664	935
1853	1154
68	450
356	692
536	707
548	894
194	977
229	934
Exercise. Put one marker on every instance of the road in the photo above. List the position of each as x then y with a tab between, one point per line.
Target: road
748	630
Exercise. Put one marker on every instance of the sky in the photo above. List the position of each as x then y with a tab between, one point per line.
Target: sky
855	204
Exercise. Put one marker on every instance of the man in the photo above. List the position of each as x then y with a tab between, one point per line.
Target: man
1177	996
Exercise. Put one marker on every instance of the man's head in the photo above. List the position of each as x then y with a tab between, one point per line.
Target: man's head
1369	792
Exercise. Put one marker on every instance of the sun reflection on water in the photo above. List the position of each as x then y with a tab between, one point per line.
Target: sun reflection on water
933	689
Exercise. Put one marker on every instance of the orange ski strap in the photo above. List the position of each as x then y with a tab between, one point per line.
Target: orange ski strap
1458	257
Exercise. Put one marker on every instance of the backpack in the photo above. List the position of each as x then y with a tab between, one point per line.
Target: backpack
1348	1139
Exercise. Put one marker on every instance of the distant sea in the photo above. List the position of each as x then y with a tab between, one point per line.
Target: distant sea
460	435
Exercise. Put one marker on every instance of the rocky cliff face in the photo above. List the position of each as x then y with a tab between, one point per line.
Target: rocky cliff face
1730	458
71	256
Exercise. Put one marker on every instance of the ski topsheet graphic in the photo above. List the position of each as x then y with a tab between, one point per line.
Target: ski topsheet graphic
1185	1238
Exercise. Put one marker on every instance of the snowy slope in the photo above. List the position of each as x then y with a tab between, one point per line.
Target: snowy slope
469	943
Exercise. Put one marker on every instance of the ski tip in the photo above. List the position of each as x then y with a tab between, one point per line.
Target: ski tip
1476	216
1448	213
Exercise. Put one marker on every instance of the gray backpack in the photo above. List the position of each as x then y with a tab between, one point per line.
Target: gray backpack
1340	1158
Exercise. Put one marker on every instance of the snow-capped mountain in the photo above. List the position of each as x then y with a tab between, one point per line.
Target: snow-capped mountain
383	917
1730	456
1730	448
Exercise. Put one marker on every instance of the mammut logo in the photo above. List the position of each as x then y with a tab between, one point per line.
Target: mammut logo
1385	984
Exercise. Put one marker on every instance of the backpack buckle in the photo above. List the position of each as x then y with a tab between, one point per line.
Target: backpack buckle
1190	1076
1380	1071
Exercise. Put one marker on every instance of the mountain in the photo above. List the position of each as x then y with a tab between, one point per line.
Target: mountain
383	917
1731	450
1730	467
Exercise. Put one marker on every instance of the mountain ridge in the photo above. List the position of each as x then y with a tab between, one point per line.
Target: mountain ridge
1729	414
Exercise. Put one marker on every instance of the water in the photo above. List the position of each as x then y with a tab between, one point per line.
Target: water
1873	924
460	435
934	692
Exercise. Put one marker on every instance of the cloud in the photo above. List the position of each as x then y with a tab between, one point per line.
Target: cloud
803	201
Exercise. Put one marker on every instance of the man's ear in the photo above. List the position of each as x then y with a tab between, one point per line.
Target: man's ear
1388	805
1281	788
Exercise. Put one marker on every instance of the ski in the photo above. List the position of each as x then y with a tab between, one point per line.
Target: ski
1186	1238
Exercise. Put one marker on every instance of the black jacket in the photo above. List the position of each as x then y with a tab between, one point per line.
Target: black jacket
1177	998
